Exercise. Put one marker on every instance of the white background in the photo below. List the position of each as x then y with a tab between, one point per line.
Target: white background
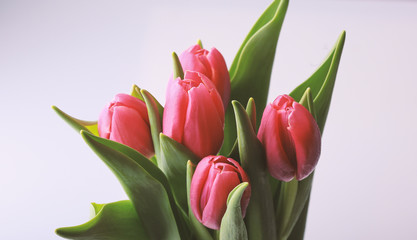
78	54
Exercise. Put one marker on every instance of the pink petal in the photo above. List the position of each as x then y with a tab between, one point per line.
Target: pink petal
204	126
175	110
307	140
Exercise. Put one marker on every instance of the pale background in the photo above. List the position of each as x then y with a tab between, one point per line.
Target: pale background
78	54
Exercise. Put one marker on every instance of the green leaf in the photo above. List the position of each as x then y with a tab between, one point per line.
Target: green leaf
201	232
147	194
154	120
77	124
135	92
200	43
322	83
294	197
112	221
178	71
260	220
250	72
173	162
232	226
251	111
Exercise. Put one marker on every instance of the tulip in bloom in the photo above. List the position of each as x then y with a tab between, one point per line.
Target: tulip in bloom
210	63
194	114
213	179
125	120
291	139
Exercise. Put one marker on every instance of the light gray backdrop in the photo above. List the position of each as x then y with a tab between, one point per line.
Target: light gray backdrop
78	54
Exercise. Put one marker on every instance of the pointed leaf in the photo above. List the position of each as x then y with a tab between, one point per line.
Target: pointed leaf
201	232
250	72
135	92
117	220
259	217
251	111
154	121
77	124
173	162
322	83
147	194
232	226
200	43
137	157
178	71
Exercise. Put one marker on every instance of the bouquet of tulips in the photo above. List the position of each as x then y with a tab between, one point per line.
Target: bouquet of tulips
204	166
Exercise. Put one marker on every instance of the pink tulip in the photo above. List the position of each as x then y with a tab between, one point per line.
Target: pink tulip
125	120
213	179
210	63
194	114
291	139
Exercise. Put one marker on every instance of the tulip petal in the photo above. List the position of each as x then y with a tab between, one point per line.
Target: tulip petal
197	184
279	165
219	75
215	208
175	110
128	127
204	127
306	138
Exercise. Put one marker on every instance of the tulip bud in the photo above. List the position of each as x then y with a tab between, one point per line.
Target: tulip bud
194	114
213	179
210	63
125	120
291	139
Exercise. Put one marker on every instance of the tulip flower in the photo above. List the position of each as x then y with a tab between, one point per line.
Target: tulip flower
125	120
210	63
194	114
213	179
291	139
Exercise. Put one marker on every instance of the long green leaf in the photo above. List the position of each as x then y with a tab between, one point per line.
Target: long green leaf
322	83
251	69
173	162
260	218
232	226
154	121
147	194
112	221
77	124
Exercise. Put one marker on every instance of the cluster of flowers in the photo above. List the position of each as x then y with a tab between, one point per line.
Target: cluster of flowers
194	116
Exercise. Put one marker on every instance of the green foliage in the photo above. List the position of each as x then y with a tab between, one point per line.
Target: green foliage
232	226
251	69
77	124
260	220
112	221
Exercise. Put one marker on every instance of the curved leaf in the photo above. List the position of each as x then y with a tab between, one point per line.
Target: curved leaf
173	162
147	194
250	71
322	83
112	221
259	217
154	121
77	124
232	226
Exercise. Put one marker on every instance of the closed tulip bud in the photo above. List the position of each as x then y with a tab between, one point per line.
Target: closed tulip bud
291	139
194	114
210	63
213	179
125	120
